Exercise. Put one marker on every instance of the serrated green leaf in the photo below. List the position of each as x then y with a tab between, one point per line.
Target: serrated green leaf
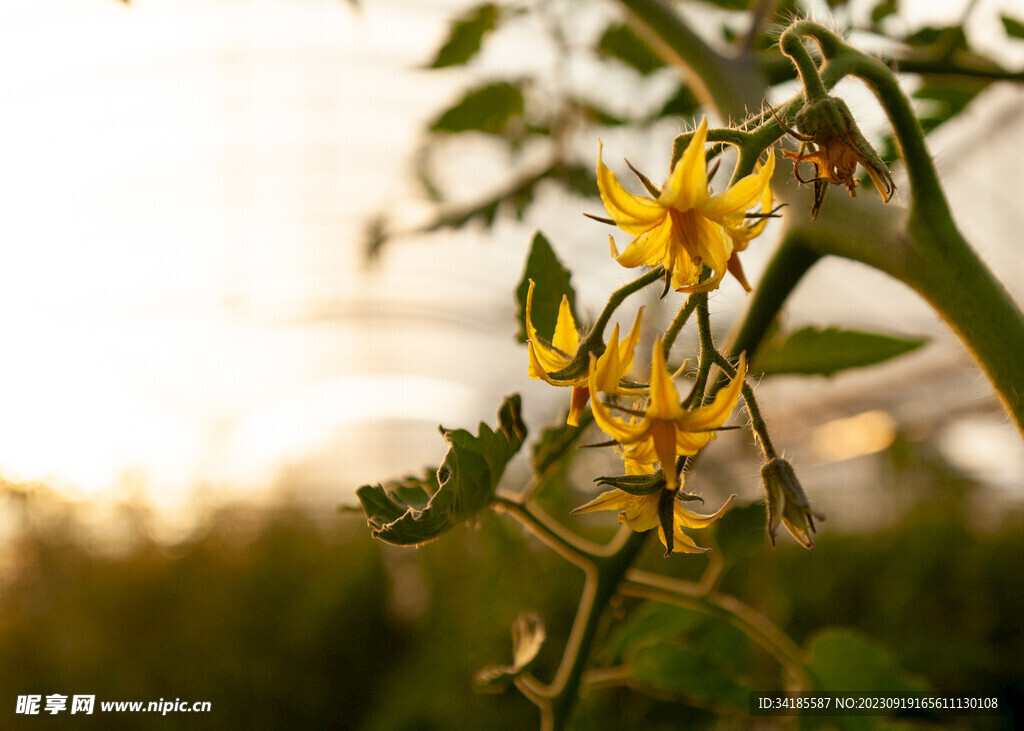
528	636
488	109
466	36
622	42
812	351
883	10
689	675
463	485
552	281
843	659
1014	28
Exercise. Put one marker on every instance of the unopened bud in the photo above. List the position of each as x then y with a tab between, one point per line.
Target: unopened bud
787	502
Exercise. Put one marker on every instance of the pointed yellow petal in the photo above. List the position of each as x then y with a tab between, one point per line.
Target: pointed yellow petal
664	397
578	402
663	434
641	512
688	519
538	371
632	213
717	412
649	248
543	358
566	338
609	367
682	543
611	500
618	430
628	346
741	196
687	186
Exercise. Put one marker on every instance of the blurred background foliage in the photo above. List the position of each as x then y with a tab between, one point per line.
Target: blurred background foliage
287	619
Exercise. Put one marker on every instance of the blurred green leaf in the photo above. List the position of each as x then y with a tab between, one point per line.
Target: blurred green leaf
414	511
528	636
947	38
555	442
883	10
682	103
843	659
578	179
488	109
466	35
690	675
741	531
622	42
729	4
812	351
1014	28
652	623
552	282
946	99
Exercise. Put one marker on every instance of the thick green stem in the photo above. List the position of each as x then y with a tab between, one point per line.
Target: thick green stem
729	84
619	296
602	584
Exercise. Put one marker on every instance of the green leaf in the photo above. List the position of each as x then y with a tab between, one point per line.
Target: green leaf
883	10
1014	28
488	109
622	42
552	281
946	99
689	675
682	103
466	35
845	660
415	510
811	351
653	623
528	636
741	531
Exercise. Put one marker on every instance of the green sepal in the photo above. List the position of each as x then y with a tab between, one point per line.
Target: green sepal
417	510
466	36
813	351
552	281
635	484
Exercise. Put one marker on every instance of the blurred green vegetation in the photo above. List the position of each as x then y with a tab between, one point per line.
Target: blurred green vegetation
283	618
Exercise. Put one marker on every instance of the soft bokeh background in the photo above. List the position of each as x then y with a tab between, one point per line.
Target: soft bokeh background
202	364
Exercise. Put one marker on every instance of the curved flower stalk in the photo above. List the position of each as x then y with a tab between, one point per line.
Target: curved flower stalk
549	360
667	430
640	513
685	228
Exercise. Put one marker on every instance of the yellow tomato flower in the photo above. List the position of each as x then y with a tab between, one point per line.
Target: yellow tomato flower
550	358
685	228
640	513
667	430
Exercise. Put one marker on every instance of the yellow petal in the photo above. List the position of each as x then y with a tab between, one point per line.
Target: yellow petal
649	248
538	372
741	196
664	397
663	435
618	430
628	346
611	500
543	358
717	412
687	186
688	519
632	213
609	367
566	338
681	543
641	512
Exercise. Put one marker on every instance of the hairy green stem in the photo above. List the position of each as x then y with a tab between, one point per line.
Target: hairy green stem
619	296
669	338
